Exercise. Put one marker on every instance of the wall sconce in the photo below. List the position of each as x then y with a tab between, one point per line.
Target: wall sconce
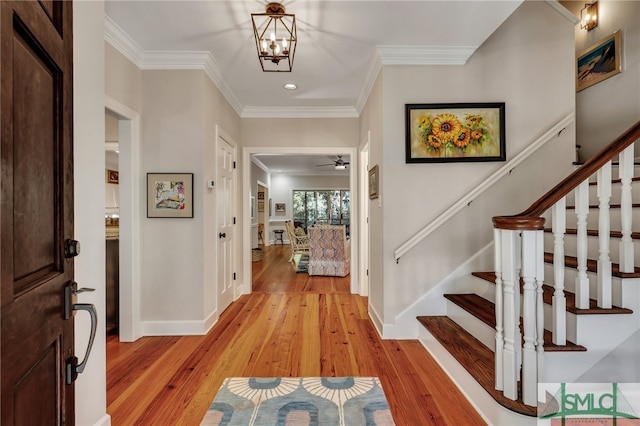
589	16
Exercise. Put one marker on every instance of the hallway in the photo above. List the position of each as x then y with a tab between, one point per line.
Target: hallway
291	325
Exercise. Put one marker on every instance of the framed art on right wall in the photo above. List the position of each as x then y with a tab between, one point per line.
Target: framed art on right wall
599	62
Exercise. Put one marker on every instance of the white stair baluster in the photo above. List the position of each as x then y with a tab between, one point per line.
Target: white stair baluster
509	280
529	320
499	319
604	227
540	303
517	302
626	243
559	305
582	280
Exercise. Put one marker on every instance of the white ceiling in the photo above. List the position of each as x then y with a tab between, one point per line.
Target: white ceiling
341	46
302	164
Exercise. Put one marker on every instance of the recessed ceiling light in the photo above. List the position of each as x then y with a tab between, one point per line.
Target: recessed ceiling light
290	86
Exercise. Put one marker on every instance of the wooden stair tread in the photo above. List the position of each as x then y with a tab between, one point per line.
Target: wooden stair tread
484	310
592	266
475	357
570	298
594	233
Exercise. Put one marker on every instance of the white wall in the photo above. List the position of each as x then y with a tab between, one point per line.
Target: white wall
172	249
89	160
300	132
608	108
123	80
528	64
371	120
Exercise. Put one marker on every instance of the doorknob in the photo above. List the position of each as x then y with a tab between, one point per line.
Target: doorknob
73	368
71	248
222	235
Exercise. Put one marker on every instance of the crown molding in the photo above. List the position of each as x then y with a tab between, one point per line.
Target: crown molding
116	37
383	55
425	55
299	112
563	11
159	60
370	80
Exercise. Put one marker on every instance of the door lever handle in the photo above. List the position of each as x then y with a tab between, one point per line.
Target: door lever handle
222	235
73	368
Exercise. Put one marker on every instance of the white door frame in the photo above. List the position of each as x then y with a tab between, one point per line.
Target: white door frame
246	207
129	323
364	217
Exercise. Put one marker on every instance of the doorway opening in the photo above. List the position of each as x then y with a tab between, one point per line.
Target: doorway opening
128	221
279	205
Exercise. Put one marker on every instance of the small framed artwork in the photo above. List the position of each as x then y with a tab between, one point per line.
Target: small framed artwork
440	133
281	208
373	182
261	195
112	176
253	209
599	62
260	206
170	195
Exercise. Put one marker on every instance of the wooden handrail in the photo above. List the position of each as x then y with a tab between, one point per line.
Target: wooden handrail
527	219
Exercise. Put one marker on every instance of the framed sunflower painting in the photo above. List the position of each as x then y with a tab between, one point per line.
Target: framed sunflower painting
440	133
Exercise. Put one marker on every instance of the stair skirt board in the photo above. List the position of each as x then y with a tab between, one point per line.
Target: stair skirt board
490	410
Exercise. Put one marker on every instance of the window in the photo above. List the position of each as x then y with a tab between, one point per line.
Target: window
328	206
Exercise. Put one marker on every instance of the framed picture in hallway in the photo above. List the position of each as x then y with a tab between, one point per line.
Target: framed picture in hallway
373	182
281	208
440	133
599	62
170	195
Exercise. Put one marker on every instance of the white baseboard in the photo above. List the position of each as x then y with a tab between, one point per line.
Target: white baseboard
210	321
104	421
175	328
375	318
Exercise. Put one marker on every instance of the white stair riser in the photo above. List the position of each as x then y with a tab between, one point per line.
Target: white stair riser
593	247
593	219
477	328
570	275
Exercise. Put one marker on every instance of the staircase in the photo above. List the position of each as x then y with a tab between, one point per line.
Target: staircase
575	279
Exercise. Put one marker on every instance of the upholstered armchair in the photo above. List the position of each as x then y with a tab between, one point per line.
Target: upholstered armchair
329	251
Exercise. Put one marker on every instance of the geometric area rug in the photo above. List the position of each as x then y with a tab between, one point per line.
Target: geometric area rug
299	401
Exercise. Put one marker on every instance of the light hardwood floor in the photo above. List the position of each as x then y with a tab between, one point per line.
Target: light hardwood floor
291	325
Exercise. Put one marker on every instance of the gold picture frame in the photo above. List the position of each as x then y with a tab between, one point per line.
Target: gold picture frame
112	176
599	62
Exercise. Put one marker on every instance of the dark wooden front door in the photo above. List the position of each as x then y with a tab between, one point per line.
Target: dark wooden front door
36	217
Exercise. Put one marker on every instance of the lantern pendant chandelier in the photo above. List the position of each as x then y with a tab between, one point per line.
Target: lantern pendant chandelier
276	38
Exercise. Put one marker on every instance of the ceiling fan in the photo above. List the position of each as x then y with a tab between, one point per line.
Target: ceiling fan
338	163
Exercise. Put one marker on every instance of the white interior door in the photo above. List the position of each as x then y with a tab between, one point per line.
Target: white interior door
226	221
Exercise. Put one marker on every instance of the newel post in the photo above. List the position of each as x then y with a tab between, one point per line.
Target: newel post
519	251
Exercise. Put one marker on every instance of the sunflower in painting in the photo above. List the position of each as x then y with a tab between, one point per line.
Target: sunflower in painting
449	133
